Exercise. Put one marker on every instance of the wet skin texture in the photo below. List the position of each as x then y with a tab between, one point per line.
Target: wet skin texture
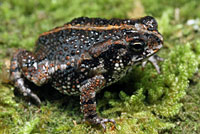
84	56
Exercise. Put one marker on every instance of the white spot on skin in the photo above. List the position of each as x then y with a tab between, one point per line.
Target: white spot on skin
93	95
116	64
35	65
68	83
76	92
63	66
56	68
73	60
118	69
46	64
25	94
101	61
94	68
83	65
86	73
41	81
51	70
64	87
23	65
139	26
28	90
65	91
28	77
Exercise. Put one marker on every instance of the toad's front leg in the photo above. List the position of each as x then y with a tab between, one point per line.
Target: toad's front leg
88	100
154	61
24	65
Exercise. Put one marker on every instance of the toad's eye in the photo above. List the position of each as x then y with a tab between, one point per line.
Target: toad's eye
136	46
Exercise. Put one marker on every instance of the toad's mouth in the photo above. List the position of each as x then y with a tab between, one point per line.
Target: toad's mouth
145	55
149	52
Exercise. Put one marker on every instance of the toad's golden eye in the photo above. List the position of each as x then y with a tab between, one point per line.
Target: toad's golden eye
136	45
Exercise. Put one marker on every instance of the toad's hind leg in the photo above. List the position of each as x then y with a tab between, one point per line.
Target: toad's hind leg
88	101
23	65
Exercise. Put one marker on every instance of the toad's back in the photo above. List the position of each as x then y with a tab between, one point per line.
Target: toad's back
79	35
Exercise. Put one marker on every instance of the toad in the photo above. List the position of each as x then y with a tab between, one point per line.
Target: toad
86	55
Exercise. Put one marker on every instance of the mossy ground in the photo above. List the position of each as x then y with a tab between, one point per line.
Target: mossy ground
143	102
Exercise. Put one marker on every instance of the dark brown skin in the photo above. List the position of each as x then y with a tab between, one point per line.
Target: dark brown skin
84	56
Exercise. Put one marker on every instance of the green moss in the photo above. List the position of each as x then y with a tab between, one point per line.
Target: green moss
188	119
29	126
143	102
184	7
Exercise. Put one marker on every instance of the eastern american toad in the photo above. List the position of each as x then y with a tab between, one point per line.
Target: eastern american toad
86	55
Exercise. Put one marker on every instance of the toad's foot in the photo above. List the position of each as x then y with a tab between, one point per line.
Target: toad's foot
101	121
154	61
26	91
